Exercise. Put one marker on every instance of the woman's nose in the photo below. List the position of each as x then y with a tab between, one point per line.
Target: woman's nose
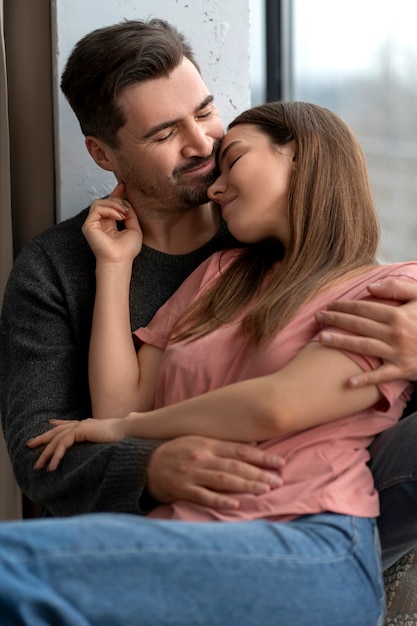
216	189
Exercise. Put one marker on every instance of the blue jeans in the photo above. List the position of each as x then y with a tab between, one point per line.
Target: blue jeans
115	569
394	467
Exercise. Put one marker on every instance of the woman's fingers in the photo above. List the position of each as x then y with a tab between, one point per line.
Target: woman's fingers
56	441
65	433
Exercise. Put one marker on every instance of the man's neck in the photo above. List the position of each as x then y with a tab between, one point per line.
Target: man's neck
181	233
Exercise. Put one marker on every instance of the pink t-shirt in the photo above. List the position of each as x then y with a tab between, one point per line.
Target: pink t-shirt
325	466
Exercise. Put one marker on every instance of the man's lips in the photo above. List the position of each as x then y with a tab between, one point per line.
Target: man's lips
202	168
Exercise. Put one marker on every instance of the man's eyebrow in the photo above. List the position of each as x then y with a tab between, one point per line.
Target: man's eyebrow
156	129
227	148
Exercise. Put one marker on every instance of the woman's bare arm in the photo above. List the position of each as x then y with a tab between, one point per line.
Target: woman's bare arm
309	391
118	382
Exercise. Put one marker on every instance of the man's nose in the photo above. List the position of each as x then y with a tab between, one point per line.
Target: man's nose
197	141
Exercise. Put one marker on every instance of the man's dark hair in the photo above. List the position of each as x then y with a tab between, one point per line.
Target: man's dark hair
109	59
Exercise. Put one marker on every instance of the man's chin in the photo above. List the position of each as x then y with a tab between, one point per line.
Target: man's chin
194	197
197	194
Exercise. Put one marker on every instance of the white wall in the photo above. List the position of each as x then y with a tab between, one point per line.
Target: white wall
219	31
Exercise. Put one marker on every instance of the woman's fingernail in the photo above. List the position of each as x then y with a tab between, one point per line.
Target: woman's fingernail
326	337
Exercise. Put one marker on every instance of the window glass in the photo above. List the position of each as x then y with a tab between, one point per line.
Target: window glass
257	51
359	58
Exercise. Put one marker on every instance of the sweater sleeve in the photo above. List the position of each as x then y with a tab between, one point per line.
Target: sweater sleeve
43	375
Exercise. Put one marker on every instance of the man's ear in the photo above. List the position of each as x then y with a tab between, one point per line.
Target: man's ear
100	152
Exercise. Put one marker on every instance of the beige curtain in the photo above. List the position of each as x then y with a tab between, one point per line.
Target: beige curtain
27	161
10	499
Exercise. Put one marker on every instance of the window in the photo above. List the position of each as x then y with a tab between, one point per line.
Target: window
360	60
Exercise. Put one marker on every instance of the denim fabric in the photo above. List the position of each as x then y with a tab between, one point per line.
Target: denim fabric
115	569
394	467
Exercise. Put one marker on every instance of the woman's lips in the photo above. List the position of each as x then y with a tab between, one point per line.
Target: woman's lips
226	203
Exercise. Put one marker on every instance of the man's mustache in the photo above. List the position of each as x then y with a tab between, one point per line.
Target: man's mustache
195	162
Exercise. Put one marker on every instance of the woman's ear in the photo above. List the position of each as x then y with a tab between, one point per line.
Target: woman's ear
101	153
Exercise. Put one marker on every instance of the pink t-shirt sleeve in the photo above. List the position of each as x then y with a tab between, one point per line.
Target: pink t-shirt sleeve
157	332
392	390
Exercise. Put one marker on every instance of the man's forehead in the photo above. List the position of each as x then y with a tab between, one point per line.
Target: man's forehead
165	99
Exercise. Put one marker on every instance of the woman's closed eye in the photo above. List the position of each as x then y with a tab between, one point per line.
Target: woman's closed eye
233	162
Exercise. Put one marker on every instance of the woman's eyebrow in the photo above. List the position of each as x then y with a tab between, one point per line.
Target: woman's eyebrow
227	148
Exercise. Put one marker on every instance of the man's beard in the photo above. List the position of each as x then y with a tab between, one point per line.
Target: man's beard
181	192
196	194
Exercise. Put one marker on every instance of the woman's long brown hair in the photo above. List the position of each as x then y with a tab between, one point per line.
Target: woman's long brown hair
333	227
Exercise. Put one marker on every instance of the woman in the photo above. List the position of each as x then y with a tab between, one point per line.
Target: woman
293	187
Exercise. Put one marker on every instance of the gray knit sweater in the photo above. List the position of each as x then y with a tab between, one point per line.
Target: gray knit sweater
44	337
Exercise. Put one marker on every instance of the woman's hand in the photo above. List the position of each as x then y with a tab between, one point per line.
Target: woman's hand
379	330
109	244
65	433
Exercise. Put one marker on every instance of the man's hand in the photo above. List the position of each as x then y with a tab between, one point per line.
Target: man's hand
205	471
381	330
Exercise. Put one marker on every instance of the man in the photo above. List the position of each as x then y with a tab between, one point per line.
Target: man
148	117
